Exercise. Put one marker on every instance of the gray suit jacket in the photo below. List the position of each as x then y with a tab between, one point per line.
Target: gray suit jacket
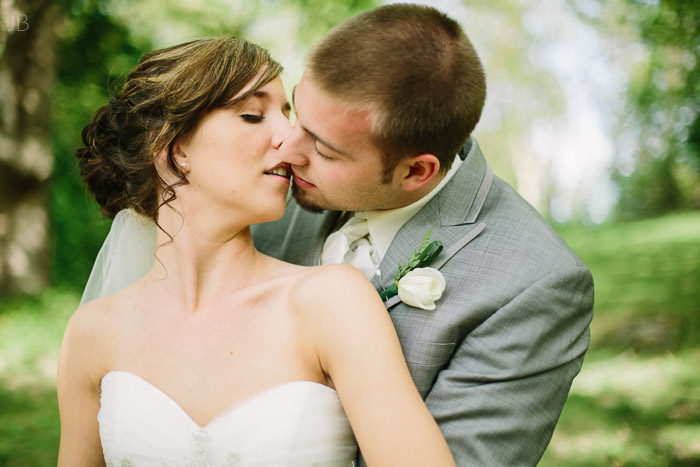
495	360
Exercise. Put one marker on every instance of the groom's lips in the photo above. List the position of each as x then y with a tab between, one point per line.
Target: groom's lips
300	182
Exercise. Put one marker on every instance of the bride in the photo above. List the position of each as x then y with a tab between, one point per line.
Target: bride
221	355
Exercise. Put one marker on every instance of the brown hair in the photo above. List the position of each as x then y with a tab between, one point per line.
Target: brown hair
163	100
416	68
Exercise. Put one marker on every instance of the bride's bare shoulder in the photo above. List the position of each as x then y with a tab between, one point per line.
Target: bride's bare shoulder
337	284
336	276
88	340
98	319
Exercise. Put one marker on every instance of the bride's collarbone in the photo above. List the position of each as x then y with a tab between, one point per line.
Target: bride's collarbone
244	308
270	294
234	348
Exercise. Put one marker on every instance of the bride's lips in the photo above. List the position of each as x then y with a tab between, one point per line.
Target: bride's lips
281	172
300	182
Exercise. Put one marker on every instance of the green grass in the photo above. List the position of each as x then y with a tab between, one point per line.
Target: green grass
635	403
30	336
637	399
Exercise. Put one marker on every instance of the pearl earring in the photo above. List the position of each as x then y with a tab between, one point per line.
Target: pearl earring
183	165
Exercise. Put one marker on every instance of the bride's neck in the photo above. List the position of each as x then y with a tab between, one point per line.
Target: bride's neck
201	257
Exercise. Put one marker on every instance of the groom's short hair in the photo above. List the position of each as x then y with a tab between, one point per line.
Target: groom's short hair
416	68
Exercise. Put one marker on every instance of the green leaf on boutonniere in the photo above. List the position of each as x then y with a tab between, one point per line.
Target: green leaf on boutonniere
389	292
425	255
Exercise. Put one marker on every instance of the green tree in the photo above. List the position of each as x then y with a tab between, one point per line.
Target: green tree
663	104
665	97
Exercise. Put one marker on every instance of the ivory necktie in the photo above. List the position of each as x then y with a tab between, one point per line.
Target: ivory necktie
351	245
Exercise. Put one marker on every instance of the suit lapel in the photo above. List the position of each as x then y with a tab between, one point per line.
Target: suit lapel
452	214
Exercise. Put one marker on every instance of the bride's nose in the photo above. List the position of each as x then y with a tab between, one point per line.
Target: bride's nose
282	130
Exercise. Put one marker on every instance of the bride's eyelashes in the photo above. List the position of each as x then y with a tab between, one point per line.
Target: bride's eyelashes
251	118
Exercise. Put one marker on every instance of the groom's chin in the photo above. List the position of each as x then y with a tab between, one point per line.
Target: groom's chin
304	202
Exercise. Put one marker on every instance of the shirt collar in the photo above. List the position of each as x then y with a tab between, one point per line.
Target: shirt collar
384	224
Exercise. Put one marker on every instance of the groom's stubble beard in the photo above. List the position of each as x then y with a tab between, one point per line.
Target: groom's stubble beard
304	202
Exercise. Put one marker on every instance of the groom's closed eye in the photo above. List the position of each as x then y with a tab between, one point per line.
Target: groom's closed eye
321	155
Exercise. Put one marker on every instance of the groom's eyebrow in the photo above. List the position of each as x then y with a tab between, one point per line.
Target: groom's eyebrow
314	136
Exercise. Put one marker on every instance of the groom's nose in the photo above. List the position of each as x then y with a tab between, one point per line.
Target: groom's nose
297	147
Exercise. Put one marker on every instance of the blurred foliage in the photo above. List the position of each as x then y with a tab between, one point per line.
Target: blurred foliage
662	121
636	401
94	51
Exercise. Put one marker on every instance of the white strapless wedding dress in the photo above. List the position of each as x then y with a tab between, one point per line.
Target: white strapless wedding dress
297	424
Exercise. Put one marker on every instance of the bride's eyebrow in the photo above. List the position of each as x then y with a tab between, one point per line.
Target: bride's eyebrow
266	95
246	101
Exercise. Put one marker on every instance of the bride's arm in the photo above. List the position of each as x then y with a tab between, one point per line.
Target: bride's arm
79	391
359	350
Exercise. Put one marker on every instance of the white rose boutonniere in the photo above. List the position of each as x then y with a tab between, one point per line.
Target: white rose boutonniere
417	285
421	288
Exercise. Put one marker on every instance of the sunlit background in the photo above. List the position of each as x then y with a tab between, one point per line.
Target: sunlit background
592	114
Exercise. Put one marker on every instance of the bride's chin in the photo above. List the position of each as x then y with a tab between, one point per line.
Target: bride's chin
273	213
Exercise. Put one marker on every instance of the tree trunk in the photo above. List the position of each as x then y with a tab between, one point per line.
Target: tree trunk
27	53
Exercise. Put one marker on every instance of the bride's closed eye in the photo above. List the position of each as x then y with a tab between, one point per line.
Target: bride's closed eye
251	118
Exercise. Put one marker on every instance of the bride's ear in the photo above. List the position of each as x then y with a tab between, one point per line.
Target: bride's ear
164	166
180	158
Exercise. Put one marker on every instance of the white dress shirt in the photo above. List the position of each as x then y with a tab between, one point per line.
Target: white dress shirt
384	224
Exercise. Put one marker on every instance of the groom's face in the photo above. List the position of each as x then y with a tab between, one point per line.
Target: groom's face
335	164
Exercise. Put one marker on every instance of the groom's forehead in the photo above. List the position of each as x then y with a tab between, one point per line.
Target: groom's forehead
333	118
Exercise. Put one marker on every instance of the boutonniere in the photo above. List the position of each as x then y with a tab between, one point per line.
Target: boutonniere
417	285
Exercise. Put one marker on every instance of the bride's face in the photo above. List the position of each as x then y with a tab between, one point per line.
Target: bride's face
234	161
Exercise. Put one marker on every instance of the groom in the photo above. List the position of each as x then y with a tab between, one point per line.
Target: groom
381	152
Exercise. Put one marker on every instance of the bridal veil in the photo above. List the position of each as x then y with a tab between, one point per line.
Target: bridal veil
126	256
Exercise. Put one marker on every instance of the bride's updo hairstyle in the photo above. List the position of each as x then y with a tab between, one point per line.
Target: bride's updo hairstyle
163	100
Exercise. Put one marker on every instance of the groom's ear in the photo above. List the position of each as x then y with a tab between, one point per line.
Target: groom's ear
419	171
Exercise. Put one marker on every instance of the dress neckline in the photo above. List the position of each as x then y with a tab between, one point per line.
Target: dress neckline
227	411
